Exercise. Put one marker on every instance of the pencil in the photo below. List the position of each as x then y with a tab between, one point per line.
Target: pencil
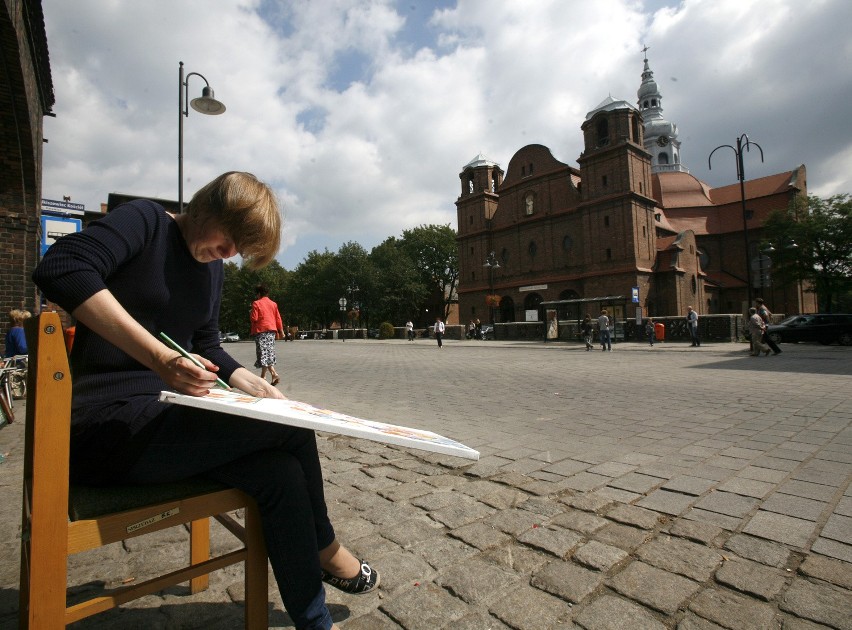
186	354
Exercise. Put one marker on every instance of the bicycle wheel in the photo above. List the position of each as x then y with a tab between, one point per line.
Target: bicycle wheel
18	385
7	416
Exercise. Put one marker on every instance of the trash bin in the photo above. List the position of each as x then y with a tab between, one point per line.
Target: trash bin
660	331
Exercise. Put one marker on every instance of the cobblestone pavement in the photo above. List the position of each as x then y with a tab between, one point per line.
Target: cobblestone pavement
645	488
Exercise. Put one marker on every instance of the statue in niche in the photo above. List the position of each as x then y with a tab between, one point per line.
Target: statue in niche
529	202
470	185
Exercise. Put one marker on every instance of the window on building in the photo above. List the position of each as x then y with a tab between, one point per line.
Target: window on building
603	132
606	221
644	232
694	285
473	275
523	171
653	102
532	248
645	104
608	253
471	251
636	125
663	158
504	256
471	219
567	243
531	168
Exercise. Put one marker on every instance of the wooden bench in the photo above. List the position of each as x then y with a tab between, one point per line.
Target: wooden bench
60	520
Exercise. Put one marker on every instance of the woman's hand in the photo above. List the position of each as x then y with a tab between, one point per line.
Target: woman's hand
252	384
183	375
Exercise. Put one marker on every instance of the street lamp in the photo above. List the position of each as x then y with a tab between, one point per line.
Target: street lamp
738	152
204	104
491	263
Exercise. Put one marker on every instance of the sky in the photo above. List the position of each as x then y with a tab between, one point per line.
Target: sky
362	113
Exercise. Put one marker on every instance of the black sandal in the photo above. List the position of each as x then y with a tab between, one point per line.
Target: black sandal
366	580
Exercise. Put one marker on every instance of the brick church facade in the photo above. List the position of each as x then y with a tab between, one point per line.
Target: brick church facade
630	228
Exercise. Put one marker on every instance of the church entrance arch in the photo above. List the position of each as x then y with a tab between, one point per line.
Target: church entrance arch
507	309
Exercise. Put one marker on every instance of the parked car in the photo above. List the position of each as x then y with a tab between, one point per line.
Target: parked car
824	328
231	336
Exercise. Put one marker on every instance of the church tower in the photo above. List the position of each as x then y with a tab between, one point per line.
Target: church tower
661	139
617	201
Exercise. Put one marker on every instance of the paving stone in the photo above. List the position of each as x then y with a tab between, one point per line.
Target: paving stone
475	621
513	479
828	569
794	623
838	528
825	477
705	533
677	555
800	507
518	558
406	569
622	536
371	621
765	552
411	531
673	503
727	503
566	467
833	549
481	535
763	474
747	487
442	552
556	540
622	496
654	587
585	481
808	490
781	528
686	484
614	613
515	521
819	602
632	515
446	482
546	506
731	523
612	469
476	581
580	521
527	608
691	621
566	580
424	608
599	556
635	482
438	500
406	491
732	610
461	513
372	547
752	578
590	502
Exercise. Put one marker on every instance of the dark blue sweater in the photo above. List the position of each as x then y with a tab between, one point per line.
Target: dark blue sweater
139	254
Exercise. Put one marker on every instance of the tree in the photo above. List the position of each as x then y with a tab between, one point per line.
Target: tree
399	290
313	289
435	254
822	232
239	292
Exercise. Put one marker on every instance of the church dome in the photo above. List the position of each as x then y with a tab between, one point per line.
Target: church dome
609	104
480	160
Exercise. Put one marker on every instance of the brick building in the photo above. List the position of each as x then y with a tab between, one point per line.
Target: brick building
543	238
26	96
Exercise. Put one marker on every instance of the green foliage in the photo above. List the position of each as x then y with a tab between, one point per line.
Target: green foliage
386	330
238	294
817	234
434	251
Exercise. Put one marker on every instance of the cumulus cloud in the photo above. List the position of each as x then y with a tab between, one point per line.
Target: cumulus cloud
362	113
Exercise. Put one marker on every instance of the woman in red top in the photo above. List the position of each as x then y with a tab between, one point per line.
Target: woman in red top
266	326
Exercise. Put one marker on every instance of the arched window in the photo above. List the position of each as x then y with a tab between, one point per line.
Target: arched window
532	249
567	243
504	256
663	158
507	309
532	301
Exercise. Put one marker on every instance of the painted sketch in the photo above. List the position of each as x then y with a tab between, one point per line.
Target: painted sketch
299	414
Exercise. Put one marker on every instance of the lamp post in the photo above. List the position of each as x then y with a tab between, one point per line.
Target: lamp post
204	104
738	152
491	263
352	290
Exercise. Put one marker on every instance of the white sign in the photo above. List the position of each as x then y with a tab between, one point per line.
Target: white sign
63	206
533	287
531	315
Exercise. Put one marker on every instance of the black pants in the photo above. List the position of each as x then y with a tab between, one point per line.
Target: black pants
768	341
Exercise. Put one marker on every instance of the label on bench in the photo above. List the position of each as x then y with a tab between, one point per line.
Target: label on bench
154	519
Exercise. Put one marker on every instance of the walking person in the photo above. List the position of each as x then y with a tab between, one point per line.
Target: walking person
409	330
649	330
605	331
139	271
266	327
766	316
588	330
756	328
692	326
439	331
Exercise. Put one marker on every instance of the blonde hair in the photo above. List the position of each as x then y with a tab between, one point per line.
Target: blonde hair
248	212
17	316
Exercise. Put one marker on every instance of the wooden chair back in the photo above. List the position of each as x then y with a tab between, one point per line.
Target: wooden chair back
60	520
